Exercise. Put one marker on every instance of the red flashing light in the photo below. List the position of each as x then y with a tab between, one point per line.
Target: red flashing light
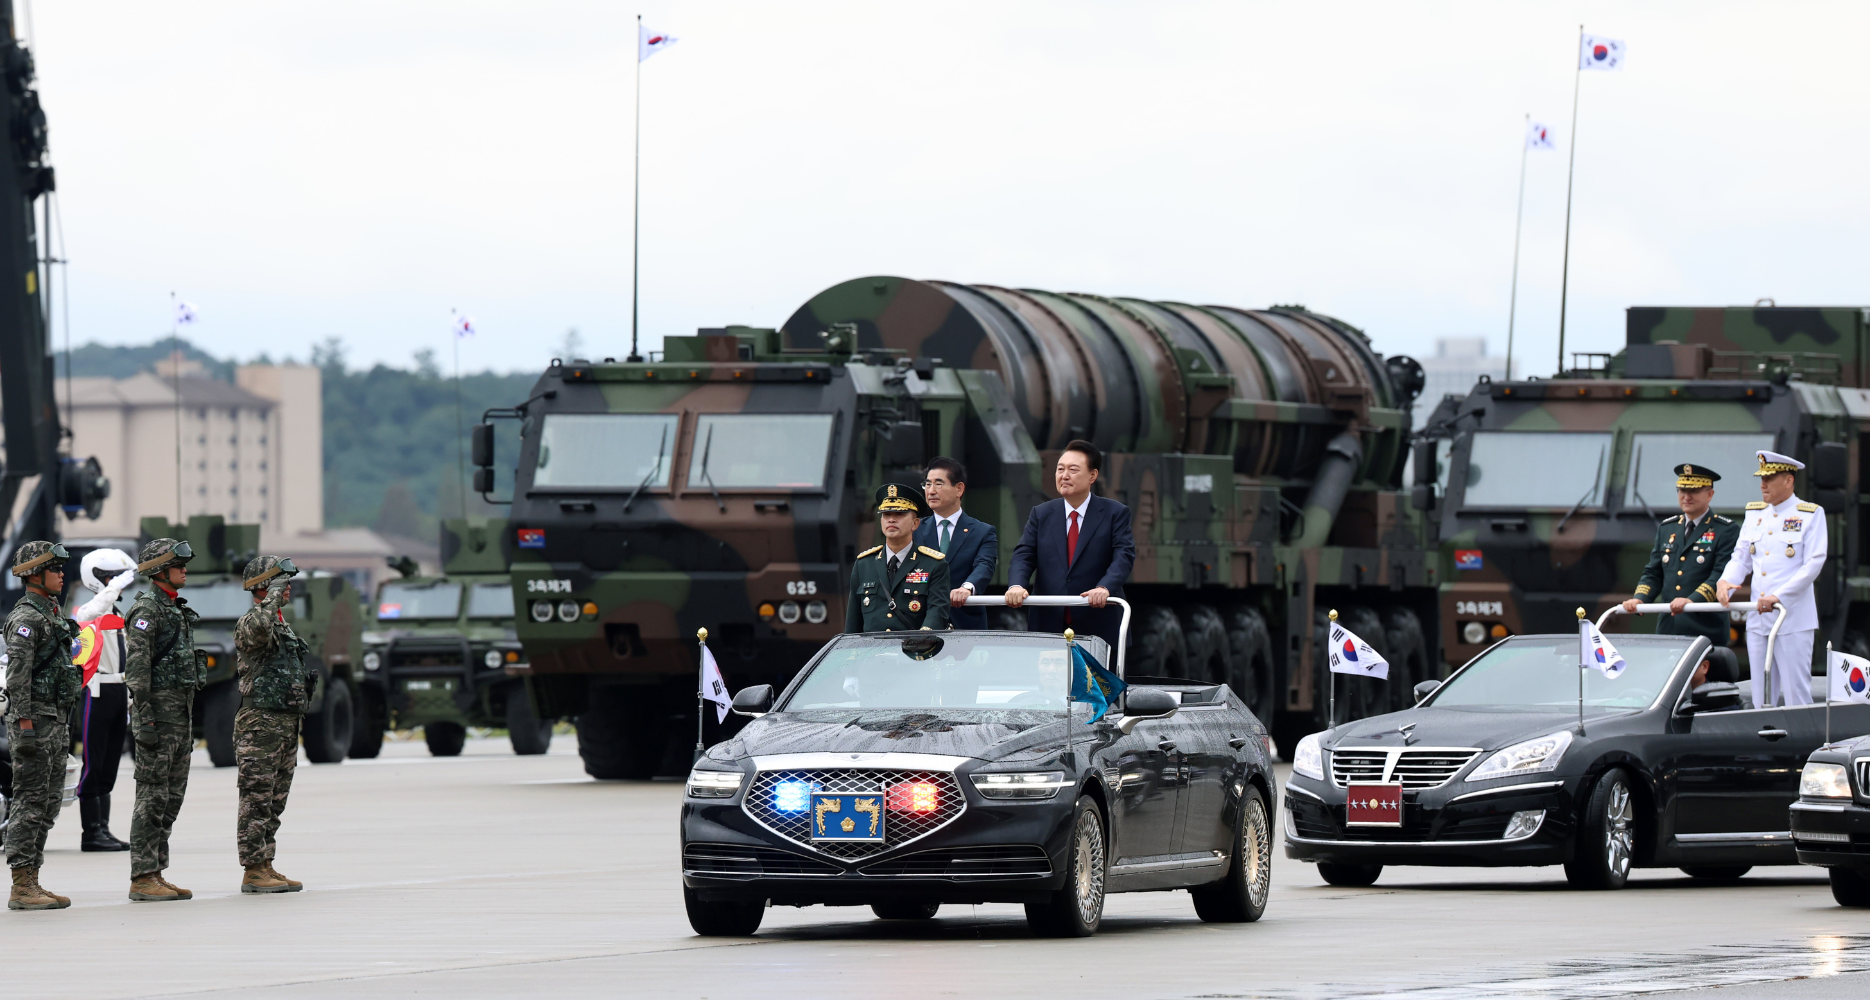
913	796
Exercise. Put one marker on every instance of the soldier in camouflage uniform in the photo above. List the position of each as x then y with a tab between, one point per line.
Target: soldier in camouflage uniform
42	685
275	690
163	672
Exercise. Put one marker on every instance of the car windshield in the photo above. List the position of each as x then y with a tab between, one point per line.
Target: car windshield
435	599
760	451
605	451
1537	469
490	600
1653	458
221	600
937	670
1539	673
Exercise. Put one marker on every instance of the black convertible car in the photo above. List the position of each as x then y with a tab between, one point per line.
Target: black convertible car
1494	767
903	771
1831	819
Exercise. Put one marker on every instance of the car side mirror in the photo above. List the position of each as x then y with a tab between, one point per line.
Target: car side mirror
1422	497
480	443
1714	696
1425	689
1424	460
1142	704
754	701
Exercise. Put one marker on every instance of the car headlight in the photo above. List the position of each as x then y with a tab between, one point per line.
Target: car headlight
713	784
568	610
1473	633
1023	785
1529	757
541	611
815	612
1824	781
1308	759
372	660
492	659
789	612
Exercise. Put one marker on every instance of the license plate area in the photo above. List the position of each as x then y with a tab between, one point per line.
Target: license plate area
1373	804
847	817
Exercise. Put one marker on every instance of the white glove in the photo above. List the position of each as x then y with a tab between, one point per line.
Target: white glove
117	583
106	600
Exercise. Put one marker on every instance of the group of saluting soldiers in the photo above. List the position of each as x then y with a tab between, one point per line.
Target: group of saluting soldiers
1702	557
163	671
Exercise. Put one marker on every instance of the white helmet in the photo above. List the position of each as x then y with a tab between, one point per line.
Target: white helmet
99	565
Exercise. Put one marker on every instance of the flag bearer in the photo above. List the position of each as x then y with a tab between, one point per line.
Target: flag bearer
1690	552
1782	545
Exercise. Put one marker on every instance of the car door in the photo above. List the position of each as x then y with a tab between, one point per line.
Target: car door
1148	792
1200	734
1736	772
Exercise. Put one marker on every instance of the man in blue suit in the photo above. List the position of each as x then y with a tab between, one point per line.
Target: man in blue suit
1078	545
971	545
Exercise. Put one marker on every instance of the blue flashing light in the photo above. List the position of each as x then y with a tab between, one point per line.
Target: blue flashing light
792	796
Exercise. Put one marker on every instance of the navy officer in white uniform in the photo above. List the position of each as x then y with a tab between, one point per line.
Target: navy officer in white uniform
1783	544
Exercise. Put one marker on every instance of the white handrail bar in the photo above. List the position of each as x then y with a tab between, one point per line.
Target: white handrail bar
1779	612
1052	601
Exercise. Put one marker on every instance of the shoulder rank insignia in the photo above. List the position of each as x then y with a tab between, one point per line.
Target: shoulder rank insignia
931	553
1757	505
1723	520
1808	507
867	553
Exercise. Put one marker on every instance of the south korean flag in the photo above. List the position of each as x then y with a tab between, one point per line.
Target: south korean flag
1351	655
1850	678
1596	652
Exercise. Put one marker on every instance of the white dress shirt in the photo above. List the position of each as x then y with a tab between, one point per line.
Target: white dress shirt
1078	510
1783	547
954	528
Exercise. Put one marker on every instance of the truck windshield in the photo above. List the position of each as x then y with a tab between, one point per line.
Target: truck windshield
605	450
436	599
1539	673
221	600
1653	458
760	451
491	600
937	670
1537	469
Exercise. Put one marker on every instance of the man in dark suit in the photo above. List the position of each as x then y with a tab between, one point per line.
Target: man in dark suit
1078	544
971	545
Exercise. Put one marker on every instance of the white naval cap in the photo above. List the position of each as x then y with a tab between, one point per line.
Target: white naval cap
1773	463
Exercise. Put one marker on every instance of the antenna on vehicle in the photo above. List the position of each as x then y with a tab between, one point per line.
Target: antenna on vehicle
1071	668
1581	669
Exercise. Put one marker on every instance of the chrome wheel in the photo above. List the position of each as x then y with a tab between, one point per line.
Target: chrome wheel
1619	835
1256	839
1088	875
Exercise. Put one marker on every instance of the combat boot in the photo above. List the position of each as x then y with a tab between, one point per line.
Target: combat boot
291	886
28	896
63	901
150	888
258	879
184	893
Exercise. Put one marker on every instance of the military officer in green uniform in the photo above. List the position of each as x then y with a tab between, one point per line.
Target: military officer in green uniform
1690	552
898	586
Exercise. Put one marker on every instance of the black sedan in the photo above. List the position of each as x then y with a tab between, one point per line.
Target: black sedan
1505	764
903	771
1831	819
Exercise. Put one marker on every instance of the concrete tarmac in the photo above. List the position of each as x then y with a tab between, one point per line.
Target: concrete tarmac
490	875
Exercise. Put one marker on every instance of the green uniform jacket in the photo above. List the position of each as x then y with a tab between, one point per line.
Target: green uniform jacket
41	680
271	666
1686	562
914	597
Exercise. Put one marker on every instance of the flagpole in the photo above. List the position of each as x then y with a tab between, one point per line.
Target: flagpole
1331	679
1827	692
1581	669
460	456
636	199
1071	670
1564	283
1519	219
701	718
175	387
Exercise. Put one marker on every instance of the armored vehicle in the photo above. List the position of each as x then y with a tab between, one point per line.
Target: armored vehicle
442	653
323	611
1545	493
722	485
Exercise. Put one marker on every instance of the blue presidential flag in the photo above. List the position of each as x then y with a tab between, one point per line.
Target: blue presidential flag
1092	684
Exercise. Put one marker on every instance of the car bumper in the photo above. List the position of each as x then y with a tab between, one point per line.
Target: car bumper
1454	825
1832	833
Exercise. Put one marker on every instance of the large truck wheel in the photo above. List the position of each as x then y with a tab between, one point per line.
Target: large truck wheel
219	703
445	739
1204	641
1408	656
623	733
328	730
1007	619
1250	648
529	734
372	719
1156	640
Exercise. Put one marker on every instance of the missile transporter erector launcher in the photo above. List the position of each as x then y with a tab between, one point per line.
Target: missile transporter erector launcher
725	486
1545	494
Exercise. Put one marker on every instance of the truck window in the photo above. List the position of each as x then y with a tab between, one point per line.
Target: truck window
491	600
760	451
438	599
222	600
1537	469
605	450
1653	458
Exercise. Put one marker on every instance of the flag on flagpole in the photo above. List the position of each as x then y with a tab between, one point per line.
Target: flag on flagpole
463	326
1351	655
184	313
1596	652
648	42
1850	678
1092	684
712	687
1598	52
1539	137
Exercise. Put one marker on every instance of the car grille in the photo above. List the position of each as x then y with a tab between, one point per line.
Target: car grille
1005	861
1863	776
900	826
1417	767
738	861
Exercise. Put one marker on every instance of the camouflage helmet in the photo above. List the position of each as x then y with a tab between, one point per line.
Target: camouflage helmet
34	558
162	553
267	570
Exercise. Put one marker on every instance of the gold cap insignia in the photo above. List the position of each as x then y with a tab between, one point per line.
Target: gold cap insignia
892	493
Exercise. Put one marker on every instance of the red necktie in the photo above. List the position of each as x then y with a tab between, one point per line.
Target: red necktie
1071	539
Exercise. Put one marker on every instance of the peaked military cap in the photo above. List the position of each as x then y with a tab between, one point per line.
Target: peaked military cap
162	553
897	496
1695	477
38	557
1772	463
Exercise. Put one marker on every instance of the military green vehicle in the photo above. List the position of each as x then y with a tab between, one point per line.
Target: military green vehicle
725	485
323	611
442	653
1546	493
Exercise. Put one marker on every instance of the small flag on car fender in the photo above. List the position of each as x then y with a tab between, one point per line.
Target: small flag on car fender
1596	652
1092	684
1850	678
1351	655
712	687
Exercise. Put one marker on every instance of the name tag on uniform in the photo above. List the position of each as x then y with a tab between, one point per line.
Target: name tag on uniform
919	576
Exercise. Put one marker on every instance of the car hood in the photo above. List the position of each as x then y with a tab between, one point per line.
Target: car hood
1449	727
988	735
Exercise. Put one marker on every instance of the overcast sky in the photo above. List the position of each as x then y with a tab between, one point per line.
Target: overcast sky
301	170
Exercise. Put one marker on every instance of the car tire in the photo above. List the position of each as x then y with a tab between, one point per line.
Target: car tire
1077	908
370	722
1721	873
905	910
1204	641
524	728
1156	646
328	731
1606	836
723	918
1250	645
218	707
1240	896
1849	886
1353	876
445	739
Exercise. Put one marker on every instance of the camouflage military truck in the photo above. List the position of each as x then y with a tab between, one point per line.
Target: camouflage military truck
323	612
1545	493
442	653
724	486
